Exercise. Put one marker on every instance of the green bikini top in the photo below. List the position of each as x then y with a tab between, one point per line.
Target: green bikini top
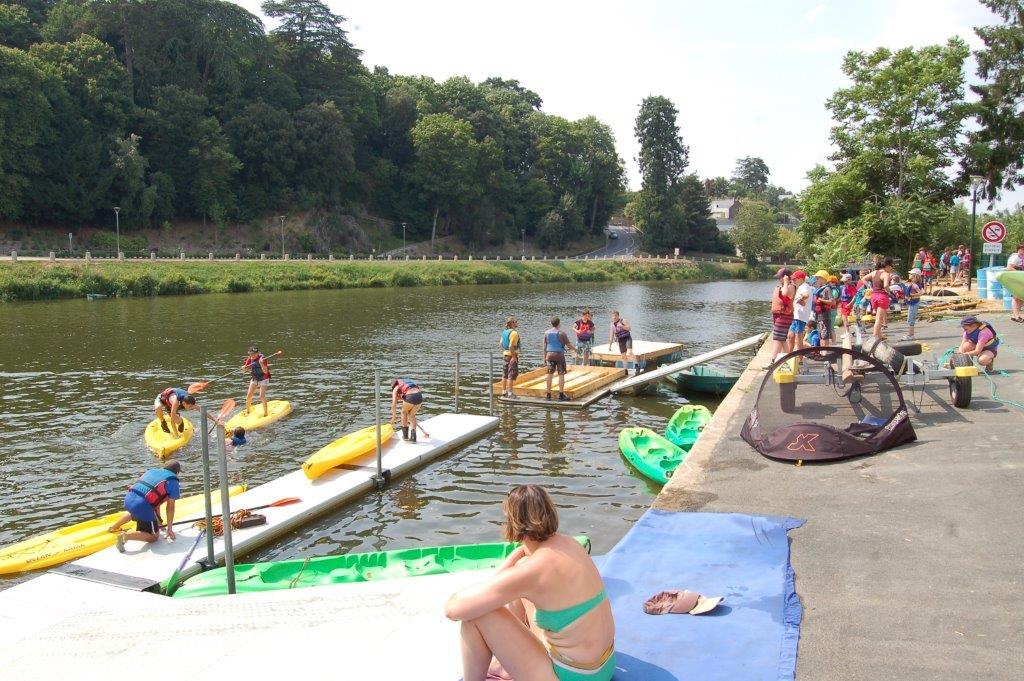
556	620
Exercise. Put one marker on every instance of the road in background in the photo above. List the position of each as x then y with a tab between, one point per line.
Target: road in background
625	245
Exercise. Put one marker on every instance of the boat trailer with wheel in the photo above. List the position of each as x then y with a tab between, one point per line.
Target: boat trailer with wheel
910	374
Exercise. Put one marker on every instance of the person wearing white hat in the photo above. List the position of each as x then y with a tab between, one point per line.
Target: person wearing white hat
913	292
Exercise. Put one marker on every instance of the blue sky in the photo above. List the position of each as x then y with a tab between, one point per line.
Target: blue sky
750	78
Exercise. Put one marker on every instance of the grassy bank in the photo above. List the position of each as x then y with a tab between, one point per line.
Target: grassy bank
43	281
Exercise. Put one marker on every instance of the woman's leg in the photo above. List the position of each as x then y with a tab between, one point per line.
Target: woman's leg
412	417
966	346
263	397
986	358
502	635
406	408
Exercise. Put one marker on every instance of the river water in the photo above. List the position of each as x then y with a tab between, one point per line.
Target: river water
78	378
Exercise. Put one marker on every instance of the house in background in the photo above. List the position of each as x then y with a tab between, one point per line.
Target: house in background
724	211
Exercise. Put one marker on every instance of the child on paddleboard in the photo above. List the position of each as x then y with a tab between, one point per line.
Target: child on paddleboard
173	400
259	370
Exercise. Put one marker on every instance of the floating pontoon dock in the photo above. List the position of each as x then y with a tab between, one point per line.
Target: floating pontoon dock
584	387
648	353
144	566
579	381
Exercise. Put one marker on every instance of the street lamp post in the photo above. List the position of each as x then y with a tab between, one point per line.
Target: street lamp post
977	182
403	237
523	233
281	218
117	222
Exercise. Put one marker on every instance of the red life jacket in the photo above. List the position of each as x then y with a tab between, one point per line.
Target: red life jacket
584	329
404	385
781	304
165	396
152	486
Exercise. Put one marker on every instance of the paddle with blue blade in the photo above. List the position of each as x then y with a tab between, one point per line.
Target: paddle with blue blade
172	583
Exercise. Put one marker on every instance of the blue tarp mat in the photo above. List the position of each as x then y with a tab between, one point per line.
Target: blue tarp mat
753	635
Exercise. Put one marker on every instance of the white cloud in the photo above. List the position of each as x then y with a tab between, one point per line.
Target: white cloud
811	15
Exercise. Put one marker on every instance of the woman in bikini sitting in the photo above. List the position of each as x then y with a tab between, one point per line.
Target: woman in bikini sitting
544	615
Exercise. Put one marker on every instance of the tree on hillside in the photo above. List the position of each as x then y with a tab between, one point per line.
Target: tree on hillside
16	27
755	233
751	175
446	164
997	149
25	113
663	159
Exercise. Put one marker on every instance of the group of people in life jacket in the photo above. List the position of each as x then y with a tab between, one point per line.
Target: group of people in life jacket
159	487
802	308
556	342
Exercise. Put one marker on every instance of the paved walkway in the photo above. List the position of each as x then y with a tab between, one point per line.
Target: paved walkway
911	564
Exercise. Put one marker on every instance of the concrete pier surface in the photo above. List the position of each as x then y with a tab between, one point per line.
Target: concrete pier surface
911	564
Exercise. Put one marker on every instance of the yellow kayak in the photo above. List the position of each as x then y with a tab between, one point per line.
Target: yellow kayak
164	444
344	449
254	418
59	546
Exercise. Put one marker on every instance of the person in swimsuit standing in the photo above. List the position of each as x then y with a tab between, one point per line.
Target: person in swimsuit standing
879	281
544	615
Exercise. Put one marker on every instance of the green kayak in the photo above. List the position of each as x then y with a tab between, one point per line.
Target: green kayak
686	425
351	567
650	453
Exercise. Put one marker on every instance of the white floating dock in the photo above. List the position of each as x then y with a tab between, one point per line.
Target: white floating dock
70	629
646	352
144	565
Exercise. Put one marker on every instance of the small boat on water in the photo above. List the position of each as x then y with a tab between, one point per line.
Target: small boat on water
704	379
95	296
352	567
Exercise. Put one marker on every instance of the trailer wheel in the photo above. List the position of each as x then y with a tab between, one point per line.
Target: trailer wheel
960	386
787	397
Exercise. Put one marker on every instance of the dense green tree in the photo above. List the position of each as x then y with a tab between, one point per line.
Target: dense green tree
901	121
997	148
702	233
24	120
324	159
663	159
215	166
751	175
16	27
755	234
718	187
91	108
445	168
551	231
264	140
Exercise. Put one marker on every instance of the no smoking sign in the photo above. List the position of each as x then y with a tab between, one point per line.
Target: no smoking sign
993	232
